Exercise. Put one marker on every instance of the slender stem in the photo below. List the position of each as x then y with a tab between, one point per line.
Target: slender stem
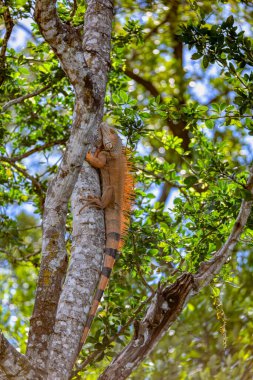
32	151
24	97
34	181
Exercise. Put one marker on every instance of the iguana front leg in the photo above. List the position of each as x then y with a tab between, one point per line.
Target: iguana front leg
98	160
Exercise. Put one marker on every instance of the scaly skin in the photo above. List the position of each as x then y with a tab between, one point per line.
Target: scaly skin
117	186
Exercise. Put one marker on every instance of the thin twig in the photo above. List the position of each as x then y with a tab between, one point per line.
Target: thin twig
72	14
18	259
32	151
222	117
24	97
143	280
28	31
29	60
36	184
162	178
24	229
156	28
27	257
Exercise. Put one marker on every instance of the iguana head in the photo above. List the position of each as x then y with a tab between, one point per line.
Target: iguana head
111	141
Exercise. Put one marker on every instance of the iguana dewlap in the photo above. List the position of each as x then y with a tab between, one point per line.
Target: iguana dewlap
117	190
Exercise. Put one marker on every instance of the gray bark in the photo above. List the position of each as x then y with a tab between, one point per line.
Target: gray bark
86	62
14	365
81	279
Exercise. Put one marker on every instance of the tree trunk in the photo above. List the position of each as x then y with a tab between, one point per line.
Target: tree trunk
66	285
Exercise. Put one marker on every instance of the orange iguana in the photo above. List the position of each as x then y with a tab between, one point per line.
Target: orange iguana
117	192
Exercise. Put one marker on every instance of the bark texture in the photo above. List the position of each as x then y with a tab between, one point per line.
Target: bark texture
85	60
14	365
81	279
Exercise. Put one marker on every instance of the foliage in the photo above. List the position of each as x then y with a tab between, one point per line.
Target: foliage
191	154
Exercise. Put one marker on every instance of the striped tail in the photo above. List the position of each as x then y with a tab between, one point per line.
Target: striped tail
110	251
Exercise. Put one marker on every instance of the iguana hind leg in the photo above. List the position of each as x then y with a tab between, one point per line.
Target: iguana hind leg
105	200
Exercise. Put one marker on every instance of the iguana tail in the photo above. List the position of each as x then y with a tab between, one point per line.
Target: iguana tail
110	251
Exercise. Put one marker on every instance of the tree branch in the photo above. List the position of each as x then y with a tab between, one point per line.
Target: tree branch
9	24
32	151
168	303
64	39
144	82
36	184
24	97
73	12
15	365
165	190
162	312
82	276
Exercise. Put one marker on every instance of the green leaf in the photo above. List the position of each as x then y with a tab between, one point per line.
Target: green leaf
205	61
210	124
232	68
190	306
196	56
20	3
216	291
230	21
215	107
124	96
3	9
202	108
190	180
115	98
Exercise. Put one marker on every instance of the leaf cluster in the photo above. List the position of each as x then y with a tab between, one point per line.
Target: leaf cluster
226	45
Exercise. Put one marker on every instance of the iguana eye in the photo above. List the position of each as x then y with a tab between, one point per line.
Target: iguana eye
108	146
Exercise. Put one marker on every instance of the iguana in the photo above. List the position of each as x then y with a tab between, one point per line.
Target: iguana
117	192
